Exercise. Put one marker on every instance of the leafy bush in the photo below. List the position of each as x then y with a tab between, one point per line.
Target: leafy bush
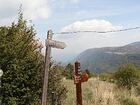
127	76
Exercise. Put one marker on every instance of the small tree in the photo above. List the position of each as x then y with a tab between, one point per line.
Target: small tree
22	63
127	76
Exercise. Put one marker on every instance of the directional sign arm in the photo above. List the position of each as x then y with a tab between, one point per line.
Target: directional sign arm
55	44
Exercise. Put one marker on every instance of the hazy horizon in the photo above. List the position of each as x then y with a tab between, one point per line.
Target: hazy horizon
77	15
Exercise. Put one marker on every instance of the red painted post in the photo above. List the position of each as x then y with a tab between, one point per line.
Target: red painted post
78	84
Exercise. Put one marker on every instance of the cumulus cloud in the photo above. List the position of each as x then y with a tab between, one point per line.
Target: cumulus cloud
32	9
35	9
76	43
90	25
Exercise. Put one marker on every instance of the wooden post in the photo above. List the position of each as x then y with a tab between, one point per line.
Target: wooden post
78	84
49	43
53	98
46	69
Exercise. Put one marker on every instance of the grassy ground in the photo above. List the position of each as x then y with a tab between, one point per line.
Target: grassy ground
97	92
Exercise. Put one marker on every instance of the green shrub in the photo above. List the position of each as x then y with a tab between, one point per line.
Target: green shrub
22	63
127	76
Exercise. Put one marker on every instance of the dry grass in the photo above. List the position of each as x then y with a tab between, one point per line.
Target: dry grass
97	92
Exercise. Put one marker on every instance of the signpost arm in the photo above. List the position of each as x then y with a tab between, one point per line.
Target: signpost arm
46	69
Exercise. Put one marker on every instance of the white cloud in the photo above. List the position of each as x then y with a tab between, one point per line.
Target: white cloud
90	25
76	43
35	9
32	9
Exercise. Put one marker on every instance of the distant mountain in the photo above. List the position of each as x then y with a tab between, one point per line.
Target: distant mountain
108	58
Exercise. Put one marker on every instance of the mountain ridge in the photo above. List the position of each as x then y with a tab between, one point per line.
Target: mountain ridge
108	58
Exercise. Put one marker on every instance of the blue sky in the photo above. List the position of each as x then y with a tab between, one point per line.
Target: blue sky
75	15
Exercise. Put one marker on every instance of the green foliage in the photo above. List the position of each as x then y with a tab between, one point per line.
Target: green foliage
137	89
106	77
22	63
69	71
127	76
56	86
128	102
90	74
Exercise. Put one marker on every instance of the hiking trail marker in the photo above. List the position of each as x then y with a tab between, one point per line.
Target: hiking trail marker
78	79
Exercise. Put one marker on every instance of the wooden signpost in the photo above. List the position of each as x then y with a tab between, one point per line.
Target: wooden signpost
49	43
78	79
